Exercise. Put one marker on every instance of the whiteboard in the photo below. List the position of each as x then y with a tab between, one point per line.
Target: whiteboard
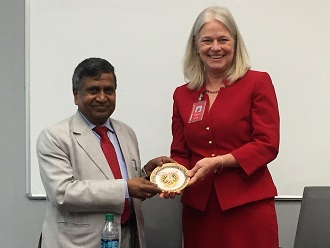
145	41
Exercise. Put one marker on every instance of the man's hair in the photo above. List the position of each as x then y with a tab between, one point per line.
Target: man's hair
92	68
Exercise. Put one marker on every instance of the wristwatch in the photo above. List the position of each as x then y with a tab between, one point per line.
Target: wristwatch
145	174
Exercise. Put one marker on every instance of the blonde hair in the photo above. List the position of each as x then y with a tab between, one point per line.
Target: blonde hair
193	67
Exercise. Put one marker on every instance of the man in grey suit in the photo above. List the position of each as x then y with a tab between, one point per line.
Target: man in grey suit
79	183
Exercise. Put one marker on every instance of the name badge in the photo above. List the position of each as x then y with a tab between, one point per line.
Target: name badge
197	111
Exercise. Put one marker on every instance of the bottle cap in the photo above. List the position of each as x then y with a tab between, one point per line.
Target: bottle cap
108	216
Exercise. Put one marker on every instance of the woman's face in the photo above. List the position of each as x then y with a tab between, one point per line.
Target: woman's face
215	47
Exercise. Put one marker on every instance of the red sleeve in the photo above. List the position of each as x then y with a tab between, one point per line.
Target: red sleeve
265	123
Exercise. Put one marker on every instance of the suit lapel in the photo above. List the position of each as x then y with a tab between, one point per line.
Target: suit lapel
87	141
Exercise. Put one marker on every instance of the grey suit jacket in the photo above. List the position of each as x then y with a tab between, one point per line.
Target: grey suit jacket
79	184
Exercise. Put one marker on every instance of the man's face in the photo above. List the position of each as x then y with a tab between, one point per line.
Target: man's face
97	98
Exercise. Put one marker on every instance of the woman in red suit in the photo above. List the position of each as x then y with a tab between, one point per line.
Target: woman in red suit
225	128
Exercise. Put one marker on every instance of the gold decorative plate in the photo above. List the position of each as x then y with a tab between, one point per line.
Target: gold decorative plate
170	177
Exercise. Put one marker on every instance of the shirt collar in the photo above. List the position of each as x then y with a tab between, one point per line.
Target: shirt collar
91	125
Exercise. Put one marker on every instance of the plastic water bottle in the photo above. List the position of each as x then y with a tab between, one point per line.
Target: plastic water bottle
110	233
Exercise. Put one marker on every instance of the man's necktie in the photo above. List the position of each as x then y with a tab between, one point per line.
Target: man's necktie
111	156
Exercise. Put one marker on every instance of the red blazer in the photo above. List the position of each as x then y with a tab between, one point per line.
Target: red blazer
243	121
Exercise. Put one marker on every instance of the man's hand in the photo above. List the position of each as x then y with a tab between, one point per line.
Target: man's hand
152	164
141	188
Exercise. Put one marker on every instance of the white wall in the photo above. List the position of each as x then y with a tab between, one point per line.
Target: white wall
145	41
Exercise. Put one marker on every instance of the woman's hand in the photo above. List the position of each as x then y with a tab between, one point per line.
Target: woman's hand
211	165
202	168
169	194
